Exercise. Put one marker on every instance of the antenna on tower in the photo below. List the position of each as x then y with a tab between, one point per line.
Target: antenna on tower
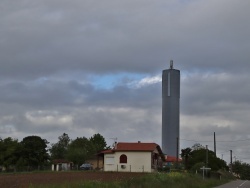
171	64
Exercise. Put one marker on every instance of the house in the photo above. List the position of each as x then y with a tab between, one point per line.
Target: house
171	160
133	157
61	165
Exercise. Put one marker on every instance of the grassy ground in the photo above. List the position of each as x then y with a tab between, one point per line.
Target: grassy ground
166	180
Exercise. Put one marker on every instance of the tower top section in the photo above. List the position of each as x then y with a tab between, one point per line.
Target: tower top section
171	64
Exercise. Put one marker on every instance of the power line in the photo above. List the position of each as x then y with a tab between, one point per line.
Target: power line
223	152
216	141
232	146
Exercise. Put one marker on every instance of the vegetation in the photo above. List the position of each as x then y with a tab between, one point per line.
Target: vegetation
32	152
10	151
241	170
194	158
166	180
79	150
59	149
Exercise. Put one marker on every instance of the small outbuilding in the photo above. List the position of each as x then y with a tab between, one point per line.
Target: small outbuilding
61	165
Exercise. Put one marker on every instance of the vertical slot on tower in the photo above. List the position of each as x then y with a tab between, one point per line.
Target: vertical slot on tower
169	84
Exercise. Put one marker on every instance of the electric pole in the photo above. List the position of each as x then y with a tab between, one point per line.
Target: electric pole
177	151
231	161
206	156
214	145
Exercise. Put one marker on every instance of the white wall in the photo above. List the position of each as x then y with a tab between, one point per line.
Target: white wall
136	162
61	167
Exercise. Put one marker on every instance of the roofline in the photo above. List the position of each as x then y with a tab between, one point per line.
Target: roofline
111	151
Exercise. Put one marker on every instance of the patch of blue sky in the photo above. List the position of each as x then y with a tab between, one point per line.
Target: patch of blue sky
109	81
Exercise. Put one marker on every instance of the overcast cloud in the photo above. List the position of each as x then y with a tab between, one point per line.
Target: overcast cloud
86	67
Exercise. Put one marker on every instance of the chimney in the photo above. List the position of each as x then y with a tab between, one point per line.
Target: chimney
115	145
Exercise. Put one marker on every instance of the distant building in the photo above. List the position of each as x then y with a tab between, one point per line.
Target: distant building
171	160
61	165
133	157
170	110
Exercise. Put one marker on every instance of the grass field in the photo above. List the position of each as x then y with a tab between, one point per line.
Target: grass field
107	179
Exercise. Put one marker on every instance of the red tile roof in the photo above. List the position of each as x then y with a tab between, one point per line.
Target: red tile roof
107	151
135	146
56	161
171	159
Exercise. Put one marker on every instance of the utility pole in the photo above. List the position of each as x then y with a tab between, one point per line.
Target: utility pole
214	145
206	156
231	161
177	151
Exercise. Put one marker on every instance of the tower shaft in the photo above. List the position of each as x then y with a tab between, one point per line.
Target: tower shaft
170	110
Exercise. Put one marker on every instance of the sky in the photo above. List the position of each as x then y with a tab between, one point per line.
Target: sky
88	67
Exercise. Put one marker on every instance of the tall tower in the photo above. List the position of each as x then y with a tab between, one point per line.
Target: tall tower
170	110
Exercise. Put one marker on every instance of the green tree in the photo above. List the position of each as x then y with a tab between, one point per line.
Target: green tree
98	142
34	151
197	146
80	150
10	152
185	153
59	149
242	170
198	155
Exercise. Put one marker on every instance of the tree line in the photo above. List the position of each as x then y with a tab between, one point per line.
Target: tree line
198	156
195	157
34	151
241	170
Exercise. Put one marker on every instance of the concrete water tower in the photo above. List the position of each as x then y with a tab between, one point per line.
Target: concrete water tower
170	110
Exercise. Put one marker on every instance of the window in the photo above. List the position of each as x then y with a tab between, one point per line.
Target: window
110	160
123	158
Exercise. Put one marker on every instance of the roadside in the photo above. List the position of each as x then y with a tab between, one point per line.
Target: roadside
236	184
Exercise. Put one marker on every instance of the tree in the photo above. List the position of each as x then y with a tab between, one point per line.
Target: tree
98	142
59	149
10	151
242	170
79	150
34	150
198	155
185	153
197	146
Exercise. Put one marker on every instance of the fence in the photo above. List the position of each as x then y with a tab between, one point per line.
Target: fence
13	169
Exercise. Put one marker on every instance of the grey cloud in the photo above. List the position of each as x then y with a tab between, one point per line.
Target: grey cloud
216	92
42	94
54	93
49	48
126	36
37	108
